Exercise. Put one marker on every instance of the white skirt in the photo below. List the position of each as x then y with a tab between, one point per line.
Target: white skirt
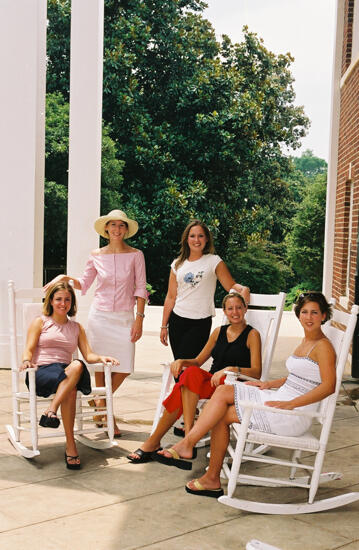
109	333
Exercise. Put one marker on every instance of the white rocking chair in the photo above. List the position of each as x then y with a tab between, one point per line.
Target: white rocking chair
26	304
265	317
341	340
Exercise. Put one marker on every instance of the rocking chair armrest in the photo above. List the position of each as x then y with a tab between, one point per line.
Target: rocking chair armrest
24	371
296	412
98	367
165	364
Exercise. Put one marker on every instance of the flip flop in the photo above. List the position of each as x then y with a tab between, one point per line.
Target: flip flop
145	456
69	465
175	459
49	420
202	492
179	432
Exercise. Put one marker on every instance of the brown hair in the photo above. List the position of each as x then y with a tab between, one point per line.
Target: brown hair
47	308
185	250
233	295
316	297
106	230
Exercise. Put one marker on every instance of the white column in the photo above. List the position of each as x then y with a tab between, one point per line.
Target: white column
22	143
333	155
87	19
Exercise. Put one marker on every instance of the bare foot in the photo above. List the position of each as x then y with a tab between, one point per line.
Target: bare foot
97	404
101	421
183	450
117	431
206	482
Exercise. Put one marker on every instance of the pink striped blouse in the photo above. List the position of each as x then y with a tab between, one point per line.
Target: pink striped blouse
120	278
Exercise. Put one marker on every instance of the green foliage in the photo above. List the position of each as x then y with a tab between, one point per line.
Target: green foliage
295	291
58	47
310	165
305	242
56	138
262	271
150	291
111	173
56	162
200	125
55	228
304	169
296	182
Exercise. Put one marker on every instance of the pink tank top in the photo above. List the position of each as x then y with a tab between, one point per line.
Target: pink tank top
57	343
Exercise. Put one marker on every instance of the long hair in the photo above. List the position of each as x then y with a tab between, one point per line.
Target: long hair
185	250
47	308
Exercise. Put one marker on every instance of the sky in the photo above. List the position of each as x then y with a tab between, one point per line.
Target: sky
306	29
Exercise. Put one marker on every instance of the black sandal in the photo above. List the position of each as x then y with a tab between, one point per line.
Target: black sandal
179	432
175	459
49	420
143	456
69	465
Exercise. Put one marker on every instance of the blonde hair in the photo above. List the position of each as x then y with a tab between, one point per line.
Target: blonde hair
233	295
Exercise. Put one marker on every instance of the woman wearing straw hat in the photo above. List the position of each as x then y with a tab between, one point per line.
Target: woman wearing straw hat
121	282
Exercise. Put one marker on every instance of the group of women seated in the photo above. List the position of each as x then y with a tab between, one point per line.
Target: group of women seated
311	378
187	314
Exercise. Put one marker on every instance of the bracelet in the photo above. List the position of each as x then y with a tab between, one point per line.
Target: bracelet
164	326
140	314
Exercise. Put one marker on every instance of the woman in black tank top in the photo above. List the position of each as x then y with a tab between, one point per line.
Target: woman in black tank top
235	347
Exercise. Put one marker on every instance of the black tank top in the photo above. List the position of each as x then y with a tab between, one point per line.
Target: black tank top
231	354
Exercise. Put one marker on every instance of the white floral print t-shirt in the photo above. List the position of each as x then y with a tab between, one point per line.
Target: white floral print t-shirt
196	285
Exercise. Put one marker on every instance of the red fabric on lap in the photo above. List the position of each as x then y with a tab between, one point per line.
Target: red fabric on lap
197	381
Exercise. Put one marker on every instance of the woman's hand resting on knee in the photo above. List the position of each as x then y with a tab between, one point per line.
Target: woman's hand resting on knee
176	367
217	377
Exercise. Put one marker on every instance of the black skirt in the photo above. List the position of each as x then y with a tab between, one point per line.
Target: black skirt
48	378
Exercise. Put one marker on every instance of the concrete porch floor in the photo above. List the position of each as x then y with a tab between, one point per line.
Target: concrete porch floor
112	504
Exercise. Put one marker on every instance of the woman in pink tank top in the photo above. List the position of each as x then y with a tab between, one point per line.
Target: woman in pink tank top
51	341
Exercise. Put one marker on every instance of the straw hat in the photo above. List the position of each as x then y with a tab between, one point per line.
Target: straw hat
100	223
